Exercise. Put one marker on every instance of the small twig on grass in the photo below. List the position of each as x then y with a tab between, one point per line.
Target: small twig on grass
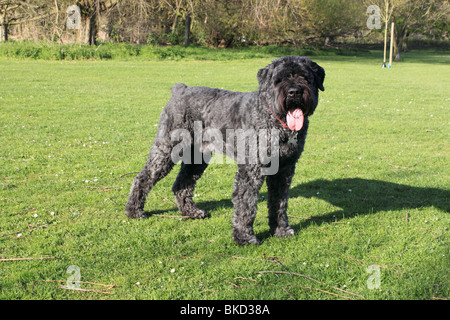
429	230
442	232
291	273
327	292
165	199
108	286
348	292
264	259
86	290
362	262
109	199
128	173
359	261
242	278
234	285
306	218
284	289
105	291
166	216
22	259
434	292
312	279
106	189
400	167
7	199
29	229
384	267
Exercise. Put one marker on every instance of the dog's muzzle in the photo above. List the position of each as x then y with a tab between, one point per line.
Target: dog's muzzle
295	116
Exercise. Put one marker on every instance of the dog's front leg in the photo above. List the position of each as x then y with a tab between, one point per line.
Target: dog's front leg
248	181
277	201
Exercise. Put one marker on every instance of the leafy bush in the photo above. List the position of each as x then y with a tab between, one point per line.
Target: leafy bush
125	51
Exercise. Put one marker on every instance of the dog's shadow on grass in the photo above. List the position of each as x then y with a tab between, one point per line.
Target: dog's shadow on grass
355	196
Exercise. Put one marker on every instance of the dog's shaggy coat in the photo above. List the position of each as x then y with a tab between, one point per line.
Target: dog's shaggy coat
287	86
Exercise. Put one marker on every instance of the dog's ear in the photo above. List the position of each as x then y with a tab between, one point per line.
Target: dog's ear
319	74
263	76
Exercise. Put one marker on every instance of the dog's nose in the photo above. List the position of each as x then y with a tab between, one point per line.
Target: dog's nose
293	92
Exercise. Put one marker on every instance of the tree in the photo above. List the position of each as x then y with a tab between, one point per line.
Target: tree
328	19
410	16
14	12
91	10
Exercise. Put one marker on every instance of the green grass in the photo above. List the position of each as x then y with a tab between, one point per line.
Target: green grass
372	187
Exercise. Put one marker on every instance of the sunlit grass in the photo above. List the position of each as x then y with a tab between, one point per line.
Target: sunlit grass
370	189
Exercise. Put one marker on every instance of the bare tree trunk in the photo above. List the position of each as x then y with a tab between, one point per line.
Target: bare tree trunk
3	27
4	32
400	42
55	28
93	24
187	32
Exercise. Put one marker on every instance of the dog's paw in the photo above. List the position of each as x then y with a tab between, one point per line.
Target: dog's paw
284	232
254	240
135	214
245	239
196	214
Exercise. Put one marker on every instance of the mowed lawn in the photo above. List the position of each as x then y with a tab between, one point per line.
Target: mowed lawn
369	201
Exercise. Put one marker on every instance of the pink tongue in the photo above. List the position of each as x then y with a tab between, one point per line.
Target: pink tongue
295	119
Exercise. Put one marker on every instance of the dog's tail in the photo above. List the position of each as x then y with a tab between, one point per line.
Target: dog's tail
178	89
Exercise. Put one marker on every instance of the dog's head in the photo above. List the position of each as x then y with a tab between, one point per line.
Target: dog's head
290	87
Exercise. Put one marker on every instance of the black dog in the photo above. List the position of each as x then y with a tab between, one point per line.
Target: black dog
287	95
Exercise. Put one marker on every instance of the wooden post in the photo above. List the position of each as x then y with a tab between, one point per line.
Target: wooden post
392	44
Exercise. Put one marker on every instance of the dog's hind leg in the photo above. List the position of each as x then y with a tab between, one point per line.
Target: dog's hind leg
277	201
183	188
158	165
248	181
